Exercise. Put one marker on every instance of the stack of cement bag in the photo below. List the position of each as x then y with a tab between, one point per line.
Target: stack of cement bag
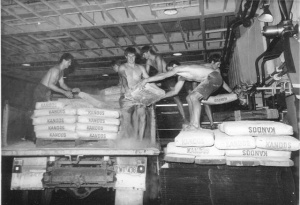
53	121
111	95
97	124
253	143
70	120
237	143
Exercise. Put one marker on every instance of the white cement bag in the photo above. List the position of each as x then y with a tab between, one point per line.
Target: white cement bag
96	101
97	127
49	105
98	112
258	153
210	160
242	161
224	141
220	99
148	94
284	143
63	135
55	127
97	135
75	103
98	120
54	119
38	113
197	138
276	162
114	98
112	90
179	158
195	151
256	128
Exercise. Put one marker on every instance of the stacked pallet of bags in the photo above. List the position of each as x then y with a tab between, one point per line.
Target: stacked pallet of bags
237	143
52	121
194	147
254	143
97	124
111	95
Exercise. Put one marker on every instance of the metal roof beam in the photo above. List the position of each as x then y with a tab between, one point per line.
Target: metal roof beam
147	36
182	34
105	11
111	38
86	16
166	35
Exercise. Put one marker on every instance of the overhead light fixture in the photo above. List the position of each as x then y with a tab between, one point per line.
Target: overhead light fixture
26	64
266	16
170	11
105	75
177	54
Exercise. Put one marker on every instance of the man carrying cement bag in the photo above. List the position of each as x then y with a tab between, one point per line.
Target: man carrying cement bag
133	121
209	79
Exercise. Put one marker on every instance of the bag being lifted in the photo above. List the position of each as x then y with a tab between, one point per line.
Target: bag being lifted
197	138
220	99
256	128
49	105
148	94
284	143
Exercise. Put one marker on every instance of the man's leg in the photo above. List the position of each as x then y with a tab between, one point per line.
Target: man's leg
209	115
180	108
141	119
196	109
190	105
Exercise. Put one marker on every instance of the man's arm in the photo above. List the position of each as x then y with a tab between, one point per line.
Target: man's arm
148	65
65	87
144	72
52	84
226	87
159	77
176	89
123	78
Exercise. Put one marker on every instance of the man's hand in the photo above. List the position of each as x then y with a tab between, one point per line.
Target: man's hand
143	82
68	94
75	90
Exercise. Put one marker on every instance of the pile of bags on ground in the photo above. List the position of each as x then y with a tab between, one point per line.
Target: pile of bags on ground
236	143
71	119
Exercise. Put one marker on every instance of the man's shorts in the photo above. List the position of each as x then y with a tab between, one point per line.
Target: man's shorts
168	84
208	86
41	94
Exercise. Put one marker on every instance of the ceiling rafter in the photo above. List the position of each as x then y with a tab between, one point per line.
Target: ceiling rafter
111	38
58	12
30	45
46	44
14	28
86	16
129	10
68	46
105	11
38	15
129	37
82	44
150	5
166	35
14	15
97	41
202	22
182	34
147	35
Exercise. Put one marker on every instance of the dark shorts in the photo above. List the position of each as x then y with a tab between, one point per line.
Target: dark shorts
41	94
169	83
213	82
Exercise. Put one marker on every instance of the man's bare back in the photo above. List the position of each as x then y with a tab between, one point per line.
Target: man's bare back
196	73
54	74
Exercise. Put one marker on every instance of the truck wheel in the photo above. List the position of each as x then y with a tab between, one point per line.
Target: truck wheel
47	196
25	197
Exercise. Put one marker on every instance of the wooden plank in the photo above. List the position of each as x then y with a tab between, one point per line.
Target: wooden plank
27	148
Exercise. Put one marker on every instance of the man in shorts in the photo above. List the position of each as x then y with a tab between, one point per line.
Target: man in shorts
208	77
133	121
157	62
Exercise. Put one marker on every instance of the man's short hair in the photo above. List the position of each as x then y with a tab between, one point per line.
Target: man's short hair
214	58
115	62
66	56
145	49
172	63
130	50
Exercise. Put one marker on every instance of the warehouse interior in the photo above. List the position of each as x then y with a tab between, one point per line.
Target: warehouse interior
36	33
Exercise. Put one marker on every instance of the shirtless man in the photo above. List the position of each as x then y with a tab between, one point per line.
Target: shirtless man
42	92
133	113
49	82
160	65
209	79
